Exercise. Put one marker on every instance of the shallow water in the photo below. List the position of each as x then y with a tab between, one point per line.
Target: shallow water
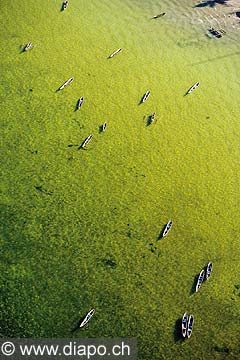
80	227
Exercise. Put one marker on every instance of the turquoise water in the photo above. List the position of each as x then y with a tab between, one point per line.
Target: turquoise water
80	228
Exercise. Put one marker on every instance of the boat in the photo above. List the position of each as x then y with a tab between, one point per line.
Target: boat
215	33
158	16
146	96
167	228
87	318
28	46
200	280
64	5
192	88
68	82
79	103
209	270
151	118
190	325
115	53
86	141
184	324
104	126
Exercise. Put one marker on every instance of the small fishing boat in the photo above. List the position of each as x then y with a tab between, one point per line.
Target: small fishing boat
104	126
192	88
209	270
184	324
85	142
28	46
146	96
64	5
167	228
115	53
158	16
190	326
215	33
87	318
151	118
200	280
68	82
79	103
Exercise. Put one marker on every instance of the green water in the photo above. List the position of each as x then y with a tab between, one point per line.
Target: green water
80	228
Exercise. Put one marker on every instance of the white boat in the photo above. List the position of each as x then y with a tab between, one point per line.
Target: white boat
86	141
28	46
167	228
146	96
68	82
184	324
192	88
87	318
79	103
104	126
200	280
209	270
190	325
115	53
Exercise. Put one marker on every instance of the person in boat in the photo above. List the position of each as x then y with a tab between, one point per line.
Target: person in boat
65	4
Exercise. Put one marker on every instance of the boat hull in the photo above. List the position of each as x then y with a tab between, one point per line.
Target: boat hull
167	228
192	88
79	104
115	53
184	325
200	280
190	326
68	82
145	97
87	318
209	270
